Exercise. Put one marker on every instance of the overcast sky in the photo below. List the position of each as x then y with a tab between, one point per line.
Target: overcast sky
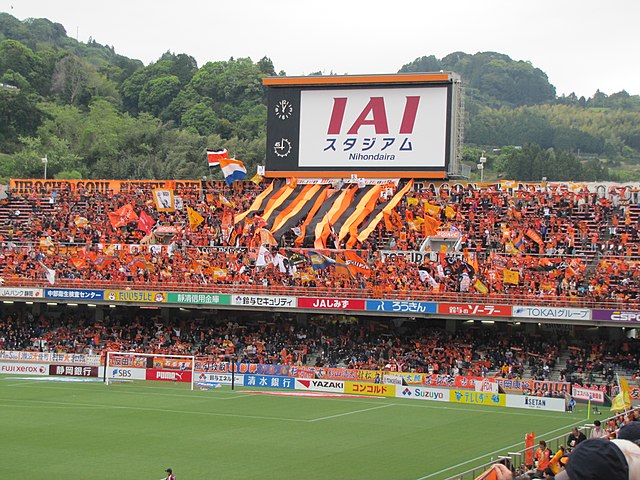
582	45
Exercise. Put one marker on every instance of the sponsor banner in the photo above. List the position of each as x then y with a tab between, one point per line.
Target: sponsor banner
134	296
535	403
477	398
523	311
73	294
586	394
332	386
224	378
423	393
371	389
65	358
199	298
263	301
21	292
267	381
616	315
24	368
401	306
335	373
168	375
331	303
128	373
73	371
474	309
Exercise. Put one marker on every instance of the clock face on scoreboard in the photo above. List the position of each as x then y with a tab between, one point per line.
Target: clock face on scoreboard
283	109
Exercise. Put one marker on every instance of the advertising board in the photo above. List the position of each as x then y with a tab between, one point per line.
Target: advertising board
21	292
267	381
167	375
401	306
370	389
263	301
331	386
477	398
15	368
523	311
423	393
134	296
616	315
535	403
474	309
390	125
329	303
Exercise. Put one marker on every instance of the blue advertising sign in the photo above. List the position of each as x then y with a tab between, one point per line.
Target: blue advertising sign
72	294
268	381
401	306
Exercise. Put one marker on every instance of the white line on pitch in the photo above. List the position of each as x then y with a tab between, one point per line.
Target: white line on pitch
351	413
165	410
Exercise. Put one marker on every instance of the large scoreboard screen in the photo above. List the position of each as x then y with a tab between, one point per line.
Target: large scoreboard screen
372	126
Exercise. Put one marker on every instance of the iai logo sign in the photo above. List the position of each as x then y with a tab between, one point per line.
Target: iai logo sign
385	127
523	311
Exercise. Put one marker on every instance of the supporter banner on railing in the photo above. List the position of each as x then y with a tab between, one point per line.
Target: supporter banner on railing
49	357
21	292
586	394
23	186
474	309
263	301
135	296
401	306
330	303
478	398
73	294
616	315
198	298
523	311
534	386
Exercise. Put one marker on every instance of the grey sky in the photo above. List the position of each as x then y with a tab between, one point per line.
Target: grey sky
581	45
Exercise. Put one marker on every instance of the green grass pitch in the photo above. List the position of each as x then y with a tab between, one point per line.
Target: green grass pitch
90	431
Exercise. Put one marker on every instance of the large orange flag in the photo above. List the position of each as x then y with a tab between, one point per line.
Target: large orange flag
356	264
122	216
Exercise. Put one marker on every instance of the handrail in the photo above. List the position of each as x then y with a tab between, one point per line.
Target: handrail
350	293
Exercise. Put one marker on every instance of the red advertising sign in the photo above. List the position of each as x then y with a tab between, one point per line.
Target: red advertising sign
474	309
168	375
73	371
331	303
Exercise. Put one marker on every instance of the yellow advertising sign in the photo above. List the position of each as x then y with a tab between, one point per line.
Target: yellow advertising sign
371	389
134	296
477	398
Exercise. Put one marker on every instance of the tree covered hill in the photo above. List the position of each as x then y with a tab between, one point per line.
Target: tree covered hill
96	113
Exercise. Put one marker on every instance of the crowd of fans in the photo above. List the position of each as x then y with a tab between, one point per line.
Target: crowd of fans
558	243
324	341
